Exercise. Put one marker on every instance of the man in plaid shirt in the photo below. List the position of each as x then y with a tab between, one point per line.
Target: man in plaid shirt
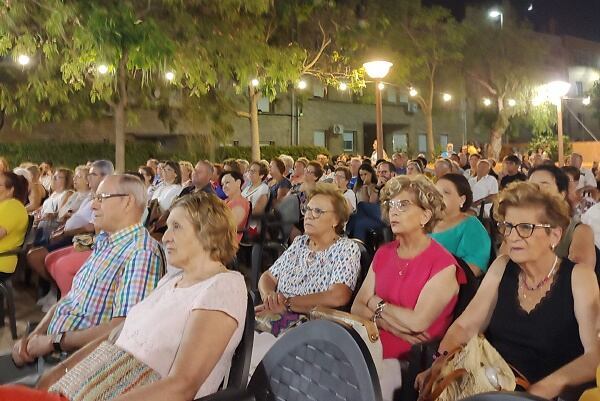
123	269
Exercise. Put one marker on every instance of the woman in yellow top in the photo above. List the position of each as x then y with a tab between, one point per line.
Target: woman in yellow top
13	218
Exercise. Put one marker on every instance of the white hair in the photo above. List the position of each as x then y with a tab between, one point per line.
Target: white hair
132	185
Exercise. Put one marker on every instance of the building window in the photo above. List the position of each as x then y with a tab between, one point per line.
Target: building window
400	142
422	143
578	88
391	95
318	90
319	138
348	138
444	141
264	105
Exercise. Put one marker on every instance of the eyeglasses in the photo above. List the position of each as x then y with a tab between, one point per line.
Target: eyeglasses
314	211
399	205
311	172
101	197
524	230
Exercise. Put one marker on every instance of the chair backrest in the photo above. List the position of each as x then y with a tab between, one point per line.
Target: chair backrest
240	363
318	361
504	396
288	211
467	290
365	264
28	239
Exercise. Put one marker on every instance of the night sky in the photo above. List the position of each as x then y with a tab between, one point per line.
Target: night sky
579	18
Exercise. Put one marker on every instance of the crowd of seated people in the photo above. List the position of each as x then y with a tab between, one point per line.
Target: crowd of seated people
434	211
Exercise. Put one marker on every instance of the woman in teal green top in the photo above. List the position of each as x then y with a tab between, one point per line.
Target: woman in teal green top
461	234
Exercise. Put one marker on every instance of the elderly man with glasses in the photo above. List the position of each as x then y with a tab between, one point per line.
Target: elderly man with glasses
80	222
123	269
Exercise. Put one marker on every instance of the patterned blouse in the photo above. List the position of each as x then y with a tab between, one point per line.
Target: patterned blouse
301	271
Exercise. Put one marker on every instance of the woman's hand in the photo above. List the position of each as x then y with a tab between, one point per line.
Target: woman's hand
545	388
272	303
39	345
19	352
409	338
421	379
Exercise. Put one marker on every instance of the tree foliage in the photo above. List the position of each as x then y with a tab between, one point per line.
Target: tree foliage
203	42
424	43
506	64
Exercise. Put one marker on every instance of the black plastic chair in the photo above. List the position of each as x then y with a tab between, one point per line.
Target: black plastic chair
365	263
504	396
272	239
6	285
317	361
240	363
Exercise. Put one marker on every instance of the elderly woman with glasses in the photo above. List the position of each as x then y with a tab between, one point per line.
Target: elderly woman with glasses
539	311
320	268
412	286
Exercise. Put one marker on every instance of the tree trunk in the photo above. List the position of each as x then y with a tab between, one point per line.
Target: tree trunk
498	130
119	120
119	109
429	125
254	133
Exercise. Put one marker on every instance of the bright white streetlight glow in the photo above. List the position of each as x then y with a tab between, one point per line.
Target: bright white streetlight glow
530	8
487	102
586	101
102	69
23	59
413	92
494	13
446	97
343	86
538	100
558	88
377	69
169	75
302	84
380	86
254	82
512	102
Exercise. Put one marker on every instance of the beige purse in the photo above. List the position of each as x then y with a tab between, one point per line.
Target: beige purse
364	327
471	369
103	375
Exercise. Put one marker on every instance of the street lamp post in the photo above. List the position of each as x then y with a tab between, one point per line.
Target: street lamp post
555	91
377	70
495	14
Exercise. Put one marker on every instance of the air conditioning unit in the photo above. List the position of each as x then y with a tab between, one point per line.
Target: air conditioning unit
337	129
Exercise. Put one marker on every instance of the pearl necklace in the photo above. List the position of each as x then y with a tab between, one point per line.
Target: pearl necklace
524	285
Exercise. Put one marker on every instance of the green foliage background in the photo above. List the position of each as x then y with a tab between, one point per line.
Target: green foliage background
73	154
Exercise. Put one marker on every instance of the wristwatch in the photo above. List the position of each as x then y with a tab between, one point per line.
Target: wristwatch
56	339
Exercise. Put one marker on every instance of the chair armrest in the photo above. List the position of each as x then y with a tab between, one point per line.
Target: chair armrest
228	395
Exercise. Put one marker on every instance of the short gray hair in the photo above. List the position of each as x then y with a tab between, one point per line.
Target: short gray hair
132	185
104	167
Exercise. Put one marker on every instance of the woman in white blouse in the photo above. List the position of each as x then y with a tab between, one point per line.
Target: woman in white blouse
171	187
257	193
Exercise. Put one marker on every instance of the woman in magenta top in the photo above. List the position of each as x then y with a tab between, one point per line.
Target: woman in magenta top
231	182
412	286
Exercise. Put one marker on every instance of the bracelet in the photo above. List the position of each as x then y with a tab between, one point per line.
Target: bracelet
66	368
379	310
288	304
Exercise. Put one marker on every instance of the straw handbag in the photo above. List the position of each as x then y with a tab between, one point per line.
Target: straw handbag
468	370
